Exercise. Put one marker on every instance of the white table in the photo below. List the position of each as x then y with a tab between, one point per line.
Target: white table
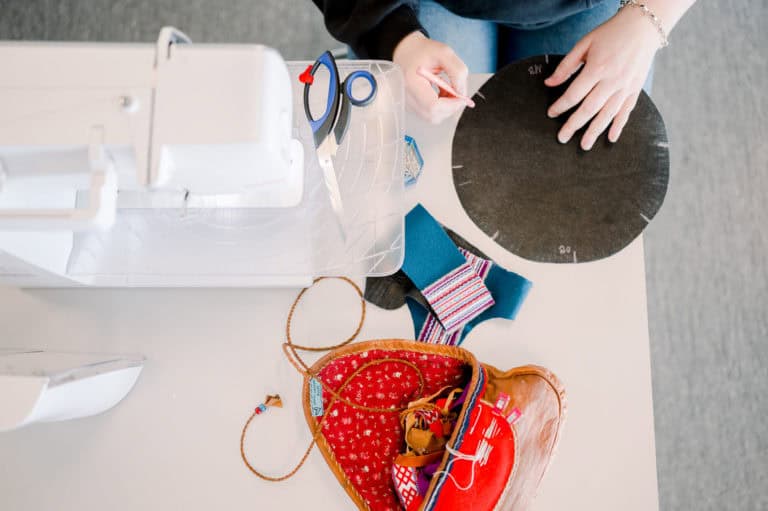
214	354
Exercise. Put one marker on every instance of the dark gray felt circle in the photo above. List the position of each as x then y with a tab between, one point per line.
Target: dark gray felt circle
547	201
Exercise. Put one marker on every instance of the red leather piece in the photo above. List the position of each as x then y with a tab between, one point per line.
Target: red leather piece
480	484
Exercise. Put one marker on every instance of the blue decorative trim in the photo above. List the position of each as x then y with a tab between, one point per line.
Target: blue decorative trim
471	402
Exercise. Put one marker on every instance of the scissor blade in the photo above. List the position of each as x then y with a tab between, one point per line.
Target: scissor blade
332	184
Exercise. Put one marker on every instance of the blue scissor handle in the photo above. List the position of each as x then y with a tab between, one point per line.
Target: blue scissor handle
323	126
349	80
342	122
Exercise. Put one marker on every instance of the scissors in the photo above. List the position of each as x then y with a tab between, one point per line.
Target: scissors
329	129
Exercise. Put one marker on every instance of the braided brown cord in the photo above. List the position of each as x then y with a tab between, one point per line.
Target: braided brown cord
290	350
264	476
324	348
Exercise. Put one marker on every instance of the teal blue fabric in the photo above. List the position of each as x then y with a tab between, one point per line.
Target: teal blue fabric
508	289
429	250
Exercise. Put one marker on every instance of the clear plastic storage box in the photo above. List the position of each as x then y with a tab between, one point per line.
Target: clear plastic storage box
169	233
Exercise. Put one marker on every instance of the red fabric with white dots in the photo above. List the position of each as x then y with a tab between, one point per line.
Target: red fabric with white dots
366	443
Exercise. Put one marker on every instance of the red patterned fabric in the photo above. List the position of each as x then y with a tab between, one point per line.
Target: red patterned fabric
365	444
406	484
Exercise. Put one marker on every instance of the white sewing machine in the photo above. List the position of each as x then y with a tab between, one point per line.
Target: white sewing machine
185	165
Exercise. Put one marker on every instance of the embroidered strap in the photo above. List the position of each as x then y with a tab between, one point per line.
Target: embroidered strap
458	297
509	290
433	262
406	482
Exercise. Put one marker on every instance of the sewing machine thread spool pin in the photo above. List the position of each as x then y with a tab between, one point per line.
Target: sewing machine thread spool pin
185	203
3	175
128	104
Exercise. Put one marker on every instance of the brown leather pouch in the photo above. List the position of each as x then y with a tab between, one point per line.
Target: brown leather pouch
361	442
498	436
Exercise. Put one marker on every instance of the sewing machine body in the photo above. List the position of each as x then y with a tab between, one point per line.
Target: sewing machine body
170	164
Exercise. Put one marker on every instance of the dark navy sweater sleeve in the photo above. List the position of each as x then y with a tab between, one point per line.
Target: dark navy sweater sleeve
373	28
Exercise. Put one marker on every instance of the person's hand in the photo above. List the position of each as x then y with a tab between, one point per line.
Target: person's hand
617	57
416	50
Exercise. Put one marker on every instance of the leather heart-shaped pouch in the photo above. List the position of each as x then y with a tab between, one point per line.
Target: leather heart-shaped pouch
491	462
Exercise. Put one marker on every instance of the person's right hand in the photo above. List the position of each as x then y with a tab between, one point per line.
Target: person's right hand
415	51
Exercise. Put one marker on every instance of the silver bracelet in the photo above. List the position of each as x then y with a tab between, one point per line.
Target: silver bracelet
651	16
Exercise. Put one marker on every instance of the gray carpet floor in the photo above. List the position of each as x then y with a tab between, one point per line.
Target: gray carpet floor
707	251
706	262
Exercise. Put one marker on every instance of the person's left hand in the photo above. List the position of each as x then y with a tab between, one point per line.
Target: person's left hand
617	57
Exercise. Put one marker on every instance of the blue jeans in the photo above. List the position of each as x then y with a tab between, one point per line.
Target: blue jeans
486	46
